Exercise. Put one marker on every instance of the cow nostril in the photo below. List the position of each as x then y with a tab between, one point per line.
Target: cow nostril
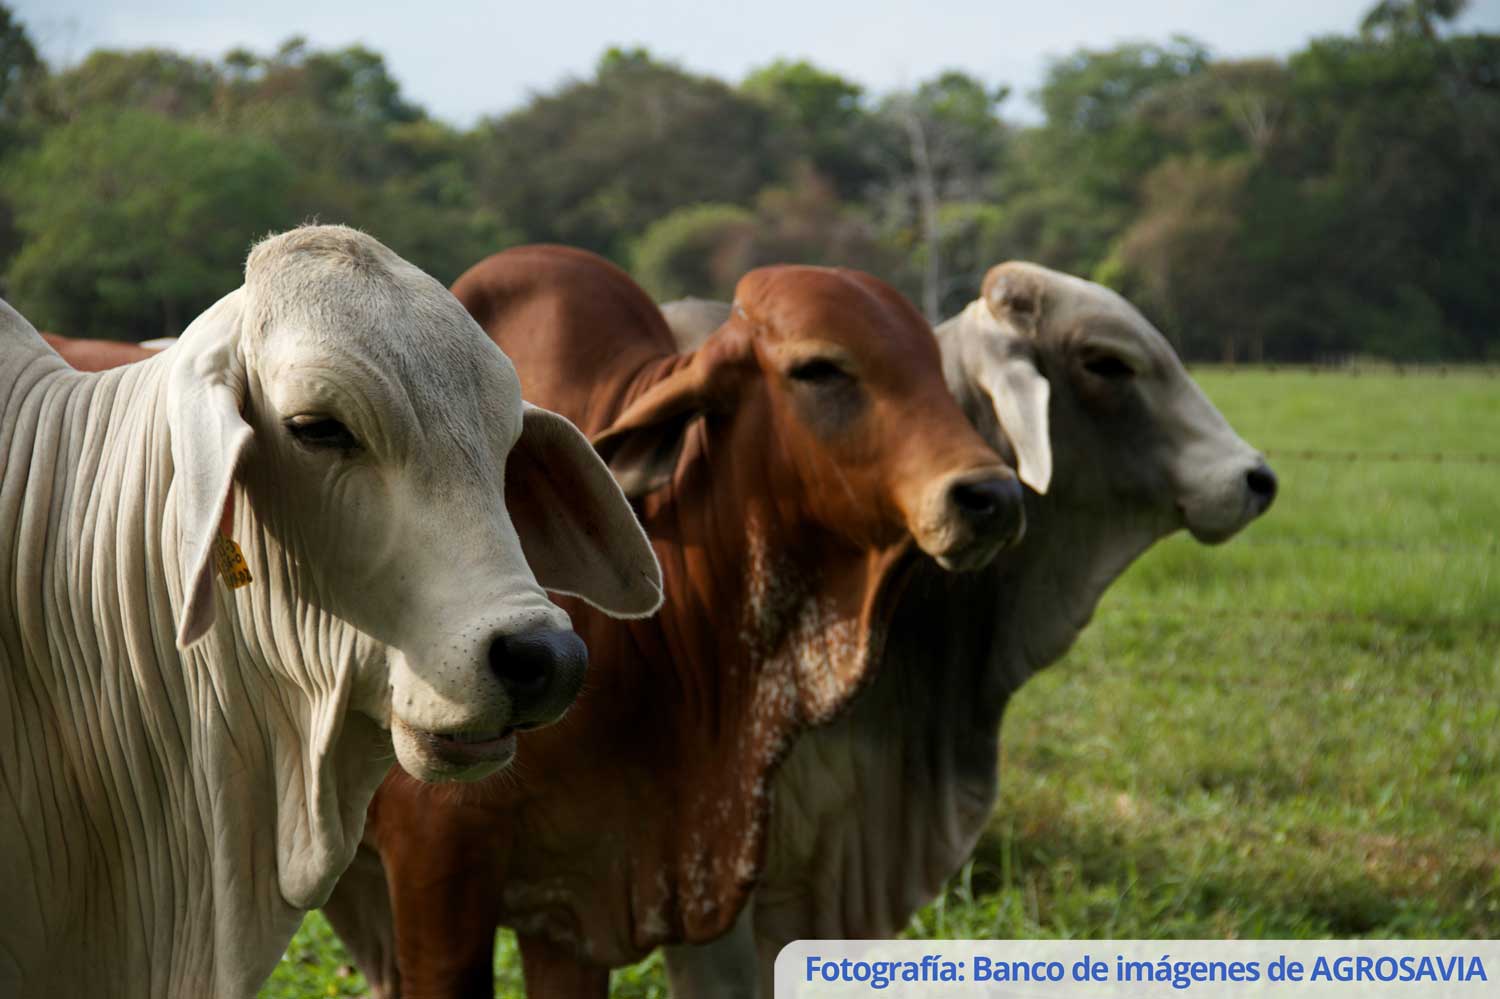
541	672
1262	483
984	498
520	663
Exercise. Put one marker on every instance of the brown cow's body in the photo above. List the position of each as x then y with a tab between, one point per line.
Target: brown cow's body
96	355
640	819
875	812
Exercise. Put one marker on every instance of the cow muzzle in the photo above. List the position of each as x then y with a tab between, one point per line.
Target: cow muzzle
969	517
538	673
1228	502
541	672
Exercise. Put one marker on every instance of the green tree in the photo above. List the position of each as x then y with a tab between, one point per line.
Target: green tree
697	251
363	154
703	250
1227	108
1343	202
805	222
133	223
155	80
1182	258
975	237
20	67
944	142
1075	180
819	118
22	75
597	161
1410	18
1345	199
426	208
1395	148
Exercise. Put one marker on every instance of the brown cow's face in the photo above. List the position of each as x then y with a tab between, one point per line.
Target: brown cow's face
854	387
834	382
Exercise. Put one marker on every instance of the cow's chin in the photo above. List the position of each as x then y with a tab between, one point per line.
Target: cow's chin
957	548
436	756
1216	522
970	556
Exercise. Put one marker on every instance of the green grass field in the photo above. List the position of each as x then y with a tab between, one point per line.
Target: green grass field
1295	734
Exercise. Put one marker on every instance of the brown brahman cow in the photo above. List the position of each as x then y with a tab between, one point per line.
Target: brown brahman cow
783	471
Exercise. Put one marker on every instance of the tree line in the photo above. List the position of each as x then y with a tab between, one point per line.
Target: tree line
1343	201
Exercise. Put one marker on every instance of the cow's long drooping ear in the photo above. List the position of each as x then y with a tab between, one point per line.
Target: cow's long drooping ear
205	390
1020	396
577	530
643	444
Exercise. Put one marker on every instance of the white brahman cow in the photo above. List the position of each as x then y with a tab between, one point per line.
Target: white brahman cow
186	762
1119	448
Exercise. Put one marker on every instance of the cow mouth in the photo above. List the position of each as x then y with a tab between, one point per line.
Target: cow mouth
970	518
969	552
972	555
1209	532
474	747
466	749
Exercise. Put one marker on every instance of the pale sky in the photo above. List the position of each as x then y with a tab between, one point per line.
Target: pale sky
461	59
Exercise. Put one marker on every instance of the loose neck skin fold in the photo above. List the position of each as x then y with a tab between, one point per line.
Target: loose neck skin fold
137	779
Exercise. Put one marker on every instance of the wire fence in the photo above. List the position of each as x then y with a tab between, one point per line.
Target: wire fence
1478	546
1354	369
1482	546
1392	457
1483	627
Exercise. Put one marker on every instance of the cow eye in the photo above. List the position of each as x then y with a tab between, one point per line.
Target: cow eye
1108	366
322	432
818	371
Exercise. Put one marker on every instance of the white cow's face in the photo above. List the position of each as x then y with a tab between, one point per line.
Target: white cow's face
409	495
392	498
1127	428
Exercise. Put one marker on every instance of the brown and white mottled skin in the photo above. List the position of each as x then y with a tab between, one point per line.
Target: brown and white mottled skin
874	812
184	768
784	470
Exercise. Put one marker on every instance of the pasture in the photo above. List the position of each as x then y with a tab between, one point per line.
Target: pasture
1294	734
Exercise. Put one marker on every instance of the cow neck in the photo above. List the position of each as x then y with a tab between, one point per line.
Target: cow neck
1054	582
916	759
97	705
788	601
145	773
768	628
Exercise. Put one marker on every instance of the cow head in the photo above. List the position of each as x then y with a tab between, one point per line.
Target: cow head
842	374
1143	443
400	508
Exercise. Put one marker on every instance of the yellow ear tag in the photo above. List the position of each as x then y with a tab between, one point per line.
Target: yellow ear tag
230	562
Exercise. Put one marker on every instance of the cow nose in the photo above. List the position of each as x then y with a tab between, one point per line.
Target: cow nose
541	672
991	506
1262	484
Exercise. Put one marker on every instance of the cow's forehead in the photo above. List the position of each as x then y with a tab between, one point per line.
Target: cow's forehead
431	347
848	308
1075	307
385	332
